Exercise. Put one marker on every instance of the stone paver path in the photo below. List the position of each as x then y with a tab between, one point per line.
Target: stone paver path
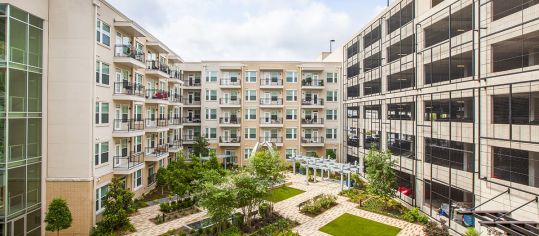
288	208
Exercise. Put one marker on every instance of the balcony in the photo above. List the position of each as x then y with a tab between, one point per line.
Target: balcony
312	122
157	69
229	141
312	141
313	102
156	153
228	102
230	83
125	165
271	102
156	124
129	91
128	128
271	83
191	101
175	145
189	138
191	120
278	141
352	141
232	121
192	83
126	55
175	98
175	76
157	96
271	122
312	83
174	122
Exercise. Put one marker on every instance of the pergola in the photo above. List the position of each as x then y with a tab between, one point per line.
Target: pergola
326	165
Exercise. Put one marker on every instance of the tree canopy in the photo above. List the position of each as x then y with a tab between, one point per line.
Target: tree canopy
58	216
382	178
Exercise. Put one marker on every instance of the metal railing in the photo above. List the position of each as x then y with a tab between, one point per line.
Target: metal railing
229	101
175	98
157	151
129	161
192	120
128	125
311	102
271	82
233	82
312	82
155	65
157	94
187	101
313	121
312	140
128	88
156	122
271	101
229	139
271	121
271	139
189	137
230	120
128	51
175	144
192	83
175	120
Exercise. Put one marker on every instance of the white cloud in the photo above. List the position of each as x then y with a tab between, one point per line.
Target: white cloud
241	29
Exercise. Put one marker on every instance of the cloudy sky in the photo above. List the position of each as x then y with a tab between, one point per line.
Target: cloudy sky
250	29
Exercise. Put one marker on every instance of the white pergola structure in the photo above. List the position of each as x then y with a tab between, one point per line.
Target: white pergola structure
325	165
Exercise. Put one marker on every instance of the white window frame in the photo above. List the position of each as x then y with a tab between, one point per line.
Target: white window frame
209	94
248	94
212	76
98	153
332	114
248	133
136	176
333	77
294	114
250	112
332	132
294	95
210	133
294	133
333	96
248	152
100	28
101	197
100	112
291	152
294	76
211	112
250	76
100	72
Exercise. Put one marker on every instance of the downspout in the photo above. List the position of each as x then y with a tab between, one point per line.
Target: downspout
96	5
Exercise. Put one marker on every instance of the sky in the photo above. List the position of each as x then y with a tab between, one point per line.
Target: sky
250	29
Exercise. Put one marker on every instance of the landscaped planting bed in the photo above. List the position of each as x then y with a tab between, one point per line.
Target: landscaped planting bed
174	210
282	193
348	224
318	204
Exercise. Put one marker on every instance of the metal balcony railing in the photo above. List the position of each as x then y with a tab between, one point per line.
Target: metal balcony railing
314	121
230	120
128	124
229	139
175	98
128	88
230	82
271	82
157	151
271	101
271	139
271	121
191	120
312	102
157	94
229	101
315	139
128	51
156	122
312	82
155	65
128	161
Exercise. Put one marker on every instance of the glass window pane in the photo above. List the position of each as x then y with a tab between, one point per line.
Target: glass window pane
18	39
34	92
16	140
34	184
16	189
34	138
18	13
35	44
3	39
17	90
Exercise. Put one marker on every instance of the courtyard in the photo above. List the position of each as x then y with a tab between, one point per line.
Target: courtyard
286	204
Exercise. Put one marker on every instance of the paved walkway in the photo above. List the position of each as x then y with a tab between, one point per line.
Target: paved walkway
287	208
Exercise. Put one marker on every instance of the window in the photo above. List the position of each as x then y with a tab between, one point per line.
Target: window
101	153
331	96
211	95
137	179
211	76
291	77
451	154
100	197
331	133
211	114
250	95
103	33
331	114
250	133
290	153
211	133
248	152
291	133
102	73
291	114
138	144
291	95
331	77
101	113
515	165
250	76
250	114
161	163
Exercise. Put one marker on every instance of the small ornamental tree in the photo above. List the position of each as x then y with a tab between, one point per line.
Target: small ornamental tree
382	178
118	205
267	166
251	192
219	200
58	216
200	147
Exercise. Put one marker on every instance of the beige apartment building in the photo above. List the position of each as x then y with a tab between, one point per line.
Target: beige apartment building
237	104
450	88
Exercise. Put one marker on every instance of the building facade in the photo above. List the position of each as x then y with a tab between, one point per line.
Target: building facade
450	88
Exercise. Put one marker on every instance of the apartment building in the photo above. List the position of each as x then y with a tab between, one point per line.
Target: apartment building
237	104
450	88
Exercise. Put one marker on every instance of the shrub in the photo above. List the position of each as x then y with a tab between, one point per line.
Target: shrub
318	204
237	219
414	216
232	231
471	232
434	229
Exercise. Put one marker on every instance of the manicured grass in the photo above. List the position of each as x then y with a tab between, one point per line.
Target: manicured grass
348	224
283	193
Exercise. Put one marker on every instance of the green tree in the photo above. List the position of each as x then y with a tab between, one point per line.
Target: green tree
118	205
331	153
250	193
200	147
267	167
382	178
219	201
58	216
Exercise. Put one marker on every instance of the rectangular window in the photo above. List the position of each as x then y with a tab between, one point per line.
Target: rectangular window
211	76
211	114
331	114
250	95
137	179
101	153
211	95
291	133
514	165
248	152
250	76
101	113
331	96
103	33
250	114
101	197
291	114
291	95
290	153
331	133
211	133
250	133
138	144
291	77
102	73
331	77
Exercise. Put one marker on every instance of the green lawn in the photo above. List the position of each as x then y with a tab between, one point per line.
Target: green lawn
348	224
283	193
